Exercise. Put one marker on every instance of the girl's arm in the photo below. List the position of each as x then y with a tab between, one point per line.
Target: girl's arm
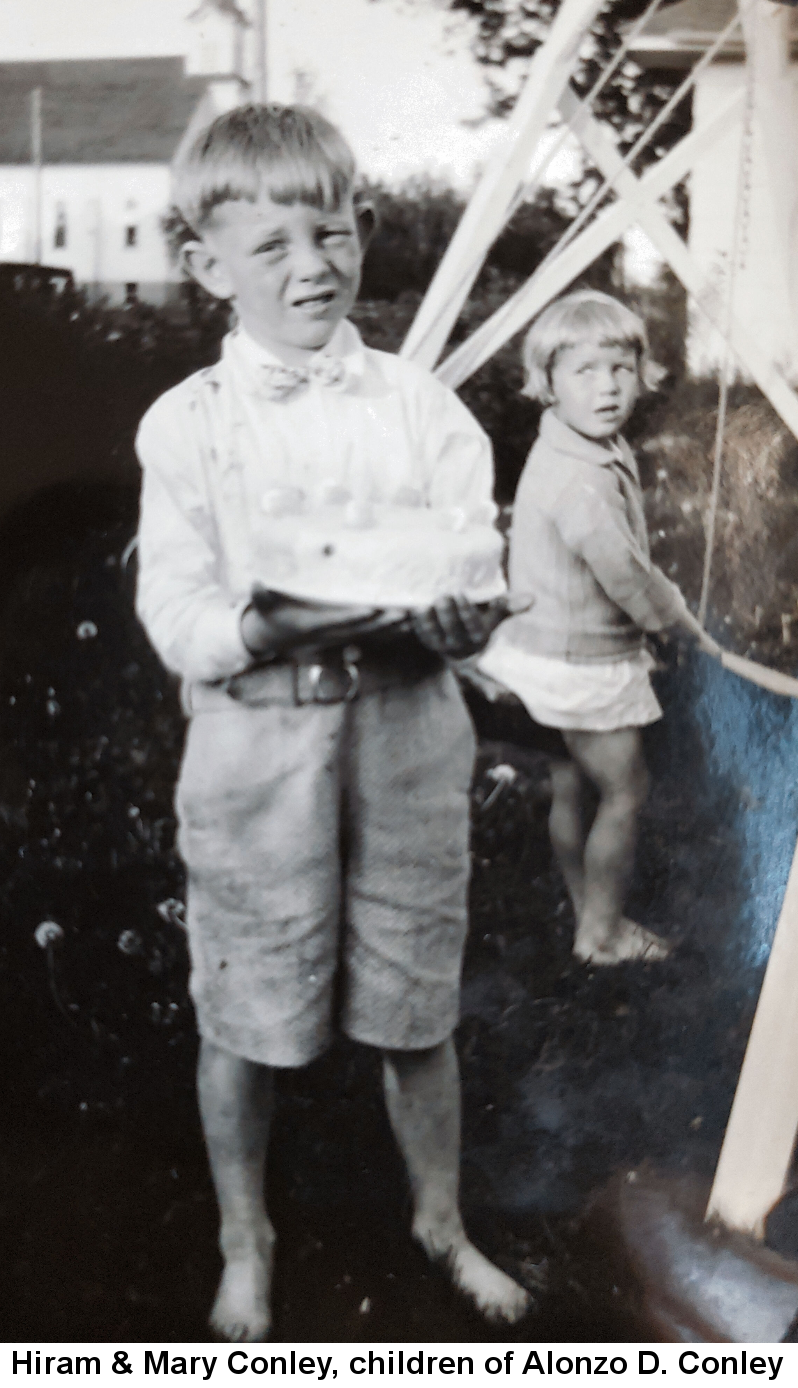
594	526
691	627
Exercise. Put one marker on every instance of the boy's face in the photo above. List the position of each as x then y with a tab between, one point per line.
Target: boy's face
594	386
292	271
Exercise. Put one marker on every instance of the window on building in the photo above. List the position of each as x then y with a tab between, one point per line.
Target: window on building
60	232
131	235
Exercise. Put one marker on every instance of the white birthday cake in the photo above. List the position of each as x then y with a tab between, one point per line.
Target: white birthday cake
333	548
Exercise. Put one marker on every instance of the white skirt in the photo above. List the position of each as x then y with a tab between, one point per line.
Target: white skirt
590	696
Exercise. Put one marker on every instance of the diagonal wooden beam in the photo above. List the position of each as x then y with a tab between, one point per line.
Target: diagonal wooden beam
708	297
486	213
608	226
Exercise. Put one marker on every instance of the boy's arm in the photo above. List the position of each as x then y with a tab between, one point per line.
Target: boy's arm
198	630
190	619
595	527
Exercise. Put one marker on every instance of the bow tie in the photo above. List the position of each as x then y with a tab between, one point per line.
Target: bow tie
279	382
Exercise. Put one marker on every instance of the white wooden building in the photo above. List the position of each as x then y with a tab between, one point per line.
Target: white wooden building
108	131
752	181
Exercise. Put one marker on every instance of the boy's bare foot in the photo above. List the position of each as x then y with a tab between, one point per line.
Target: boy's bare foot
493	1293
241	1311
627	941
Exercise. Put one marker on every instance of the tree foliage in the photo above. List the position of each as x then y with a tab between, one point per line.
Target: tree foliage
509	32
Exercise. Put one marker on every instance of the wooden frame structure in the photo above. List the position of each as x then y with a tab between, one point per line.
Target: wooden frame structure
760	1137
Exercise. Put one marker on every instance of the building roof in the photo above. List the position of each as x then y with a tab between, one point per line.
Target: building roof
98	110
679	33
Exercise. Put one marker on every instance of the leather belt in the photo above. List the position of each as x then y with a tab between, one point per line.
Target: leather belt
333	676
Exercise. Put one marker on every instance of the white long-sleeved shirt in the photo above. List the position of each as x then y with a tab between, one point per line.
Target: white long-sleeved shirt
213	445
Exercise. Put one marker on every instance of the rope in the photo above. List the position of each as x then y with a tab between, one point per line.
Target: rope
725	370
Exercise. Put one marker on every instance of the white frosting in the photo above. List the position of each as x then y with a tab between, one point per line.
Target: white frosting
333	548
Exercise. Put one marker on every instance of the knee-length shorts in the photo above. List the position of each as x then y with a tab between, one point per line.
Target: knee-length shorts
328	863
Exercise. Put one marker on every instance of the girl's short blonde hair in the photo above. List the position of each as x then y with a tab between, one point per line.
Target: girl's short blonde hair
585	315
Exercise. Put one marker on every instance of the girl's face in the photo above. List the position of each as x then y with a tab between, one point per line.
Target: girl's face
594	387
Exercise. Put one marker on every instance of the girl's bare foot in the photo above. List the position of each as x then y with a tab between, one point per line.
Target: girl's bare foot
493	1293
241	1311
627	941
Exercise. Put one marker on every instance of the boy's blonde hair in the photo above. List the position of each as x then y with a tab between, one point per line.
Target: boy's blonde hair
585	315
292	153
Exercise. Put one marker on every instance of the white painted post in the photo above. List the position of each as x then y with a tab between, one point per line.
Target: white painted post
486	213
36	160
757	1149
768	33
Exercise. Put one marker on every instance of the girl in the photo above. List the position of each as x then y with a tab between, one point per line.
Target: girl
577	658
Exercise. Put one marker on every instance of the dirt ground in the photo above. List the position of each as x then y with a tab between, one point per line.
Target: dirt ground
570	1073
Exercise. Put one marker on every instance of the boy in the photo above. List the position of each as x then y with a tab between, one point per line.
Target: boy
281	762
577	659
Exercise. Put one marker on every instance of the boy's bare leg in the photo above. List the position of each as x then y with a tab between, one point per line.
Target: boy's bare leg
422	1092
567	829
614	762
235	1098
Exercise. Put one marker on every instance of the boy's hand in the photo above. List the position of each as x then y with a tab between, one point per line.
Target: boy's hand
455	627
275	623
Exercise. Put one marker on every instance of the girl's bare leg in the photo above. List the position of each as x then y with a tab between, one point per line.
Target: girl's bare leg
614	763
567	829
235	1098
422	1092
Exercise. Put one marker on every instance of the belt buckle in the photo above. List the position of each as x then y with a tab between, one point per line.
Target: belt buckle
346	680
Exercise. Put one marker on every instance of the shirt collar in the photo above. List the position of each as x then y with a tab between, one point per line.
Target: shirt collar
567	440
346	344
